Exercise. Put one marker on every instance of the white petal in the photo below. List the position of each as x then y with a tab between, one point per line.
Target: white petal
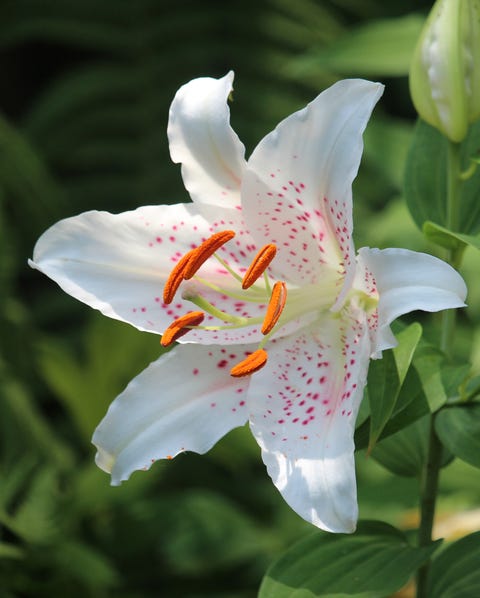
408	281
185	401
297	187
202	140
303	406
118	264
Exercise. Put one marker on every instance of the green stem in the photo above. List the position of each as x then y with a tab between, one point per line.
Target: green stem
431	472
429	489
453	185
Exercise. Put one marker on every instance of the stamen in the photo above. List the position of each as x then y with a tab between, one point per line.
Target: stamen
181	326
260	263
251	364
204	251
176	276
275	306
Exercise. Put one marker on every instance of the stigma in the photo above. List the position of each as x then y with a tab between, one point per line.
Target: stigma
274	296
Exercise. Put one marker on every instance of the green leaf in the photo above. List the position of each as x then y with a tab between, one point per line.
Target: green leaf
383	47
408	340
455	572
425	178
428	364
449	239
423	390
387	143
208	532
459	430
412	404
36	519
9	551
87	387
426	182
405	453
374	562
85	565
455	379
386	377
383	387
38	431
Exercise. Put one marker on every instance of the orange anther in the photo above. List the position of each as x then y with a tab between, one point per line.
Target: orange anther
176	276
251	364
260	263
181	326
204	251
275	306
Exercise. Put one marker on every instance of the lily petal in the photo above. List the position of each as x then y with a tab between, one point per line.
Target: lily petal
302	413
202	140
408	281
297	185
118	264
185	401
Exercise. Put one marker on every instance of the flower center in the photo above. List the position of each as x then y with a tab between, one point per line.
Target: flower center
313	298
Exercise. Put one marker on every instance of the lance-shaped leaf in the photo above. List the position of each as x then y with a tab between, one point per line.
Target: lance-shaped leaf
455	572
372	563
386	378
426	179
459	430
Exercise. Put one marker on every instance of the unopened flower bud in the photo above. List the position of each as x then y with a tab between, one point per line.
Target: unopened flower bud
445	72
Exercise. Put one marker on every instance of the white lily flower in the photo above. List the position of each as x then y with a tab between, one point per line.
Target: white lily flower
280	328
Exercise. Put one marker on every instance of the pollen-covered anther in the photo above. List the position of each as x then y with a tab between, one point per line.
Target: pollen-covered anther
251	364
176	276
260	263
205	251
275	306
181	326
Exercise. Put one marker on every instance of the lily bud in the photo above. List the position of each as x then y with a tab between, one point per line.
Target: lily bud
445	72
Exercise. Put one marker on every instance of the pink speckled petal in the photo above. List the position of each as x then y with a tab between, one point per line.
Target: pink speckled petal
118	263
202	140
408	281
184	401
297	187
303	406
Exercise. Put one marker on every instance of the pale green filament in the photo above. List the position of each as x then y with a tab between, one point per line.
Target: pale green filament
227	267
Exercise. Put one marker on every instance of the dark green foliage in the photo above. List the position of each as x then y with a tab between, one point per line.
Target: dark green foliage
372	563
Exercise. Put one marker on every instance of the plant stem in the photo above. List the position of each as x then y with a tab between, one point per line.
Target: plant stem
431	472
429	489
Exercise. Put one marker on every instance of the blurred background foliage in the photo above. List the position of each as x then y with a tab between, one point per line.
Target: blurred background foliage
86	88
